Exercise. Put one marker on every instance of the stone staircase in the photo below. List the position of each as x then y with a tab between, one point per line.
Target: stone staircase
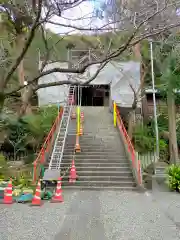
102	162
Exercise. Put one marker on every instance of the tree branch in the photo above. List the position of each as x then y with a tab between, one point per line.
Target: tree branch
25	48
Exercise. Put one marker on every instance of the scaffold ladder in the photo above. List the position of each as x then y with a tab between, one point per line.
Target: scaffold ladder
58	149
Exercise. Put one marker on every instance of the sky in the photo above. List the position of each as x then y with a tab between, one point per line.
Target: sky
83	11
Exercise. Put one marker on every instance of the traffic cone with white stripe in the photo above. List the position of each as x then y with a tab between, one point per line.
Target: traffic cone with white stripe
58	194
36	201
73	175
8	198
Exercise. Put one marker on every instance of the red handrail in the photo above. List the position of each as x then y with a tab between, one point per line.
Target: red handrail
130	146
46	145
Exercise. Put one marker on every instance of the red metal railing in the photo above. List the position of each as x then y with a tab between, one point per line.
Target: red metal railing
135	164
47	147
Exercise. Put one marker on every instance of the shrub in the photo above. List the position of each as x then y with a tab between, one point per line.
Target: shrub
3	165
173	179
163	150
144	141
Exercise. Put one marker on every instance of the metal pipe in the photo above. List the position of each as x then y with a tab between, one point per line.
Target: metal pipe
154	101
80	95
66	131
55	143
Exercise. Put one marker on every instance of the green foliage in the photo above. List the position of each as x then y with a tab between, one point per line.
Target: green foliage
38	125
22	181
2	160
163	126
171	71
30	158
144	139
178	132
173	179
3	165
162	123
31	130
163	150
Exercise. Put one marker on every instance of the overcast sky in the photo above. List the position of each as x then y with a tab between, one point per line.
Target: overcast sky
83	11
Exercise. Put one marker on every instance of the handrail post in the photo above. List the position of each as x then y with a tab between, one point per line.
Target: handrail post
138	168
78	111
78	120
139	172
114	113
42	156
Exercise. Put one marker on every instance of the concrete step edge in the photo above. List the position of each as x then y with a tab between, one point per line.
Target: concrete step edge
105	188
102	181
104	172
95	166
110	178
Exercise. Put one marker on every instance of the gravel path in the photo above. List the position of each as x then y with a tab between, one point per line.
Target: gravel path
95	215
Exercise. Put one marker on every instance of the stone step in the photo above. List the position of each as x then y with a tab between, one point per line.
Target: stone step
83	164
94	163
99	188
97	150
93	158
114	145
99	183
105	178
100	174
98	161
105	136
101	166
95	155
100	153
103	161
111	147
113	142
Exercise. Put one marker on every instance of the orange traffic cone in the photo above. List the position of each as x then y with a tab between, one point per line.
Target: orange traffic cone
36	201
81	130
73	175
77	147
82	116
8	199
73	115
58	195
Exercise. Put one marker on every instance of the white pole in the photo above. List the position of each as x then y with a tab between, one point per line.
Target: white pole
154	102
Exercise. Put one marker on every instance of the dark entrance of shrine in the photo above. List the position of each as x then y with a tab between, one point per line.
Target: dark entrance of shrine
94	95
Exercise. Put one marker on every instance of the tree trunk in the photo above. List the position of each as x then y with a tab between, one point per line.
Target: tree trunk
137	51
26	98
144	103
173	148
132	113
26	93
131	122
